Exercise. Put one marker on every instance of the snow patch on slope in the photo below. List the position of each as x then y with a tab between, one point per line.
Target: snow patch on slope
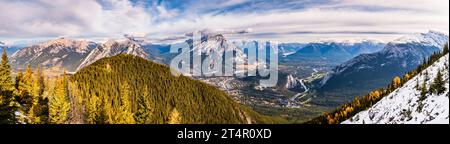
402	105
432	38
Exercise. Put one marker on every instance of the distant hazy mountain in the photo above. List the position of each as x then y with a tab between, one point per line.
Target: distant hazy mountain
10	49
112	48
286	49
158	52
334	52
66	53
403	105
370	71
2	45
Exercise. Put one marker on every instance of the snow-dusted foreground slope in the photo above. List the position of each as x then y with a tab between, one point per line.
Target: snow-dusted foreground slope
402	105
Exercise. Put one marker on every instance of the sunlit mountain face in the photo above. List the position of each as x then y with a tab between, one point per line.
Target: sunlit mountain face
127	55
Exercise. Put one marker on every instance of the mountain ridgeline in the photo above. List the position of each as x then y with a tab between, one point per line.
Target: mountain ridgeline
145	92
66	53
72	54
112	48
333	52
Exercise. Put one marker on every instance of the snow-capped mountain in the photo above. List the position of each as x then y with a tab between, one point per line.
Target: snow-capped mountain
216	44
403	106
287	49
432	38
291	82
370	71
334	52
295	84
72	54
112	48
284	49
63	52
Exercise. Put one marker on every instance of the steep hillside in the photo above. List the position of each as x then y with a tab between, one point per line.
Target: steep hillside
406	104
419	96
370	71
152	89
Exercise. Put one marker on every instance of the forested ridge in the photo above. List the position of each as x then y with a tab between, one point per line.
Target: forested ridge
123	89
127	84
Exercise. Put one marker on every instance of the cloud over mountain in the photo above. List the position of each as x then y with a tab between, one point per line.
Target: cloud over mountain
274	20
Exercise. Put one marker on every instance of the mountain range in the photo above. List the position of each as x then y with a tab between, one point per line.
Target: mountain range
74	54
370	71
287	49
333	52
66	53
71	54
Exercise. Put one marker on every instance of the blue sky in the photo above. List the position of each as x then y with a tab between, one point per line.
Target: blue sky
162	20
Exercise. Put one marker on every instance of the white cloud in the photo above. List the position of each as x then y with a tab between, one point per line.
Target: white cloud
88	18
314	20
43	18
164	13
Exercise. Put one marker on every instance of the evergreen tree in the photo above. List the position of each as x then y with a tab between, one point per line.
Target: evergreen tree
77	109
106	116
124	114
423	91
438	86
92	110
427	78
7	101
17	80
25	90
6	82
38	85
417	85
145	108
446	50
58	103
38	113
